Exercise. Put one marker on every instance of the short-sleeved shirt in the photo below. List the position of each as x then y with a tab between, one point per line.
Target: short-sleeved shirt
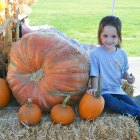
110	67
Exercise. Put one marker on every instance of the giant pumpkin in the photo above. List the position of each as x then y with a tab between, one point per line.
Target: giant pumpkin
47	67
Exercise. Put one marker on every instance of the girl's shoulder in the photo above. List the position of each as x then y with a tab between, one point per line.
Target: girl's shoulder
121	51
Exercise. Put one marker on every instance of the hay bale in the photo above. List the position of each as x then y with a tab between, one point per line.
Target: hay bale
106	127
128	88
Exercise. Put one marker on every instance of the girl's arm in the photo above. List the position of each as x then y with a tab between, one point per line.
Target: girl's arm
94	85
125	75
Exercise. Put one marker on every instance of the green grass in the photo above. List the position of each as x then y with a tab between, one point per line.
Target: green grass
79	19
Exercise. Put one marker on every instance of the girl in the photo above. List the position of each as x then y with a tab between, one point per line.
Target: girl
109	63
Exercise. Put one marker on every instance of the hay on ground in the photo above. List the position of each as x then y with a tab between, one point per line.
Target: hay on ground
106	127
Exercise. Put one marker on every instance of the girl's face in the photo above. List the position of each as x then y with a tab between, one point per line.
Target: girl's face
109	38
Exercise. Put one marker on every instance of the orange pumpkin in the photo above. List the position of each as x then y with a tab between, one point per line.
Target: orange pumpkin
4	93
47	67
62	113
90	107
29	113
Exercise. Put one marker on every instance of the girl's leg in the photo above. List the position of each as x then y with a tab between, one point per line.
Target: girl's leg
113	103
127	99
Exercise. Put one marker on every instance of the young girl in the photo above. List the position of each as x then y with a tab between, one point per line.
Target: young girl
109	63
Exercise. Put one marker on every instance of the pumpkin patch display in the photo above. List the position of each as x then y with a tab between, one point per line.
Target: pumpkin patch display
29	113
90	107
62	113
47	67
4	93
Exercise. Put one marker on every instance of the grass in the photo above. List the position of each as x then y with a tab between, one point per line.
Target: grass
79	19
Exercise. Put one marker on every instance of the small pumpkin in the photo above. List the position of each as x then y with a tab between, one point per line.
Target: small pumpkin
62	113
29	113
4	93
90	107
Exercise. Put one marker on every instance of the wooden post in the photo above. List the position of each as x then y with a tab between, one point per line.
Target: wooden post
17	25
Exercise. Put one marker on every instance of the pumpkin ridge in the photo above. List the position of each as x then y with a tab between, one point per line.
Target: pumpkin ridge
31	95
49	63
61	83
29	54
14	65
65	58
22	55
36	54
45	57
17	77
42	97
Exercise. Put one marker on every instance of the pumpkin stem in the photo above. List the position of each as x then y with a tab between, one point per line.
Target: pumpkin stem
62	93
36	76
29	101
65	101
98	93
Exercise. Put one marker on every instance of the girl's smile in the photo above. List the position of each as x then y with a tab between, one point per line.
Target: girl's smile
109	38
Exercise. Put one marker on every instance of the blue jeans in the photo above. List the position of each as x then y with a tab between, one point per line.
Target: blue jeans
122	104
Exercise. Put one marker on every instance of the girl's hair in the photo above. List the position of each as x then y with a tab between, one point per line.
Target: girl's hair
110	21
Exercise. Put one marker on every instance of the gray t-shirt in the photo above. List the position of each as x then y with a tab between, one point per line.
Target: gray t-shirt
110	67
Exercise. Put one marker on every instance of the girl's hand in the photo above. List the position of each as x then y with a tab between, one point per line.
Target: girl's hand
130	79
92	91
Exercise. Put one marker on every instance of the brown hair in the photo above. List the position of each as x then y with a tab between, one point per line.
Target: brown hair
111	21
